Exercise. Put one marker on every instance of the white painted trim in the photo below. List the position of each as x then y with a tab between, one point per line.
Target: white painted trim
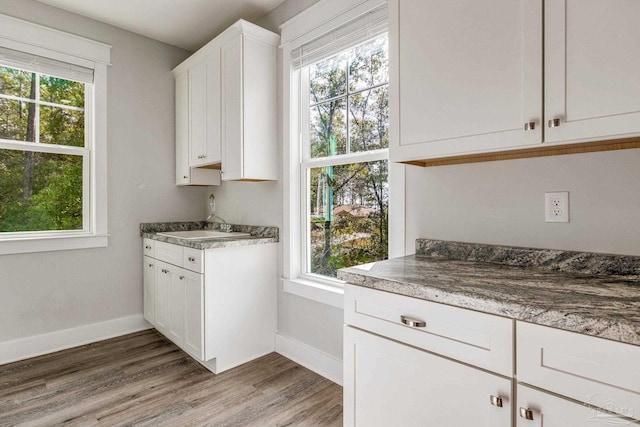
25	348
43	41
329	294
310	357
57	243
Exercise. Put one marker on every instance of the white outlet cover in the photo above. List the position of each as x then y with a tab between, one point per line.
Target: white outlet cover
556	206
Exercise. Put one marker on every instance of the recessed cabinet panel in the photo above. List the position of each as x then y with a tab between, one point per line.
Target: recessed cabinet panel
467	76
592	64
390	384
149	289
197	114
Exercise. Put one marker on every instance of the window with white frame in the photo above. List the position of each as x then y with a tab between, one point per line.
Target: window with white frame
52	139
44	151
344	139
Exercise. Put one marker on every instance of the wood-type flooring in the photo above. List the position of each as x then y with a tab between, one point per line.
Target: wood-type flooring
143	379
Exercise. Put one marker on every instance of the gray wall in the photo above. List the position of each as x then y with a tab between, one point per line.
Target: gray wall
51	291
503	202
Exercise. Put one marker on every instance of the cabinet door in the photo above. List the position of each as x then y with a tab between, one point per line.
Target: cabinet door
204	107
163	297
232	111
149	290
194	314
389	384
552	411
176	305
465	76
592	64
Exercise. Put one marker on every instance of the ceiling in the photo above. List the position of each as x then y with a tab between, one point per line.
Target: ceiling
188	24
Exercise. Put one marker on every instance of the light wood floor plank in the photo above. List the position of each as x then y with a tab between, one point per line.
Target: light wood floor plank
143	379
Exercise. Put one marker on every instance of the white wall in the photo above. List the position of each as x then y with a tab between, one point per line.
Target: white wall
52	291
503	202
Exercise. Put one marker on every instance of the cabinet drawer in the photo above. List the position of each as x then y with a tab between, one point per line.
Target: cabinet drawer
599	372
169	253
192	259
148	247
479	339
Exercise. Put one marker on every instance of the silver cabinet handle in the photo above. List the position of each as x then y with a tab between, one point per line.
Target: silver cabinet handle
414	323
150	265
554	123
530	126
496	401
191	259
165	271
526	413
181	277
147	247
185	177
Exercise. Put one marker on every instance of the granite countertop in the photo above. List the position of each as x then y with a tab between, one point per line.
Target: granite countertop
592	294
259	234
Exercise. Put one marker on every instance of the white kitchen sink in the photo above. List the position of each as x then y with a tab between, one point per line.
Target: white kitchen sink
202	234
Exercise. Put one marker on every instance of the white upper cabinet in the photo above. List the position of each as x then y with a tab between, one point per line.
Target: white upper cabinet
249	106
592	68
226	108
466	76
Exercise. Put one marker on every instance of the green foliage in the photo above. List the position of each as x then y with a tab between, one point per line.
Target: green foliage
40	191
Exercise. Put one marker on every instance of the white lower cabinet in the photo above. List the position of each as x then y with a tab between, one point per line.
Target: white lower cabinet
210	304
411	362
391	384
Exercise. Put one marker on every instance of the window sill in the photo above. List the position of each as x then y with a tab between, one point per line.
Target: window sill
53	243
326	292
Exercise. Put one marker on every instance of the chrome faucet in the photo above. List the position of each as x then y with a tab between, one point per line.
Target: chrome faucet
212	216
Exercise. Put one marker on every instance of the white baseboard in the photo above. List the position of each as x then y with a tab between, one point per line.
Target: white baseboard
310	357
25	348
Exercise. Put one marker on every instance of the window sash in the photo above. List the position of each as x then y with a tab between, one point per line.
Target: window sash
86	152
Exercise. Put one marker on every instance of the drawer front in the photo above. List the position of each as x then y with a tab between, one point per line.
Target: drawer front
547	410
479	339
192	259
596	371
148	247
169	253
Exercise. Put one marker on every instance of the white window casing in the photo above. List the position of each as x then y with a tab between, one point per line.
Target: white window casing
48	51
325	28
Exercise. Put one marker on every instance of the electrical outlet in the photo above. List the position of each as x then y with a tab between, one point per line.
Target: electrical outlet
556	206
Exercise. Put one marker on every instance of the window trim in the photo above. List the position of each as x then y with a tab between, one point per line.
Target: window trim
319	19
42	41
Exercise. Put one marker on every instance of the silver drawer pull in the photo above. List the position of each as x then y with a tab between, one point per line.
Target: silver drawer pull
181	277
165	271
530	126
150	265
191	259
526	413
414	323
496	401
147	247
553	123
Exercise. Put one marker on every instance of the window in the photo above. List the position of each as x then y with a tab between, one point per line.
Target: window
44	153
52	139
343	200
344	168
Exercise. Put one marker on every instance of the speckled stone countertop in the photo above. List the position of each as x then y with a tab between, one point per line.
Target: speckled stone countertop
259	234
592	294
